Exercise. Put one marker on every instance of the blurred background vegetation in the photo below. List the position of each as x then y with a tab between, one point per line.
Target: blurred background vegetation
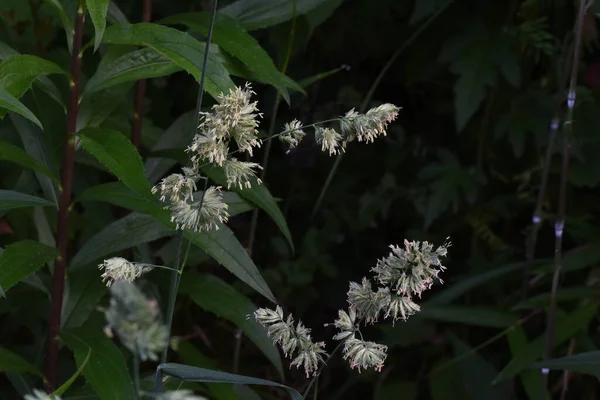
478	84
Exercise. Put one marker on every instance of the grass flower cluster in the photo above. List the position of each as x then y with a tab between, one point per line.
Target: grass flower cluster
135	319
352	126
404	273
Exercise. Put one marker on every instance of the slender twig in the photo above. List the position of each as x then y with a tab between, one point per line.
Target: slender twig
265	161
140	90
559	225
313	380
537	217
367	100
62	231
566	374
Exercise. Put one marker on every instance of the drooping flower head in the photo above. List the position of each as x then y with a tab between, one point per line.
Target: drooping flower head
292	134
240	173
294	339
176	188
118	269
201	214
367	127
364	355
181	394
329	140
135	320
413	269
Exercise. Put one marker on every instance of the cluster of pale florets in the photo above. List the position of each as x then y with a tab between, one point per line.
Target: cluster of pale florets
232	120
402	274
294	339
353	125
118	269
135	319
181	394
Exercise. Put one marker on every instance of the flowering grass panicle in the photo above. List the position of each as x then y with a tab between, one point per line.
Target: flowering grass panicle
413	269
364	355
240	173
118	269
181	394
367	127
365	302
329	140
176	188
292	339
39	395
136	321
292	134
202	214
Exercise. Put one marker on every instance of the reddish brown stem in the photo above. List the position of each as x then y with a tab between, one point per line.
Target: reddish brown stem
62	232
140	90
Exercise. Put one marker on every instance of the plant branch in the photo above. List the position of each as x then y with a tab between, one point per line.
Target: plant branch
62	231
140	90
559	224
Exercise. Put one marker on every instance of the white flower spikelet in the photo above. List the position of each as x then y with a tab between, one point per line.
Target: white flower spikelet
175	188
240	173
295	341
118	269
39	395
292	134
201	214
329	140
367	127
364	355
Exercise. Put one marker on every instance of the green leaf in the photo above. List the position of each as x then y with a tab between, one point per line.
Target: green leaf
192	356
65	386
138	64
223	247
37	144
256	14
10	103
195	374
178	46
532	381
9	361
10	199
114	14
476	316
445	382
122	234
566	327
84	292
585	363
117	153
10	152
22	259
233	38
216	296
106	370
18	72
542	300
66	21
478	374
98	10
258	195
178	135
391	390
